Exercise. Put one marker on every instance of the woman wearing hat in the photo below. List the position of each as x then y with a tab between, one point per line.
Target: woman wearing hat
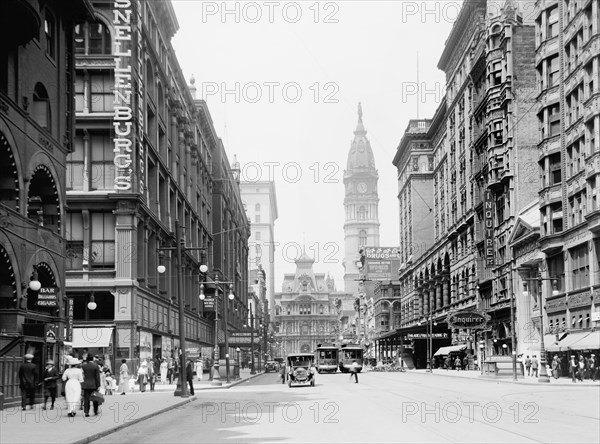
74	377
143	376
50	377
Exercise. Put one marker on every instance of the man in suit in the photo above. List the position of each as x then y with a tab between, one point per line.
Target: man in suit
28	378
189	370
91	382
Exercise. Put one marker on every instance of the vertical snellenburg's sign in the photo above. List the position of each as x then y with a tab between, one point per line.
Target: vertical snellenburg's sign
488	224
123	104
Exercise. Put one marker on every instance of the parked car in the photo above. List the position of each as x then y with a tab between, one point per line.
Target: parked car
271	366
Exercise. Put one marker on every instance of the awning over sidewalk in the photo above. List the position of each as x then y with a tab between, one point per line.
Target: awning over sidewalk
591	341
92	337
443	351
568	343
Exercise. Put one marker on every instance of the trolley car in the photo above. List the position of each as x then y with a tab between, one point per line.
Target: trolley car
326	358
348	353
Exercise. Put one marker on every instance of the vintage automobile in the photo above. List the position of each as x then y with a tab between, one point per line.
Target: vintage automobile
301	369
271	366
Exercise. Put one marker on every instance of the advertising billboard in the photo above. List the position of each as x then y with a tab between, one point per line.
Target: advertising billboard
381	263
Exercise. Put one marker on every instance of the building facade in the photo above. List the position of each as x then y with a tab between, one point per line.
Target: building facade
37	68
482	153
306	310
146	164
260	201
567	58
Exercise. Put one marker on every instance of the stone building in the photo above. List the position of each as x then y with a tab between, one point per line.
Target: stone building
37	127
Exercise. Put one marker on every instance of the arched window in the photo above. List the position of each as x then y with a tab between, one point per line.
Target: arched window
41	106
362	238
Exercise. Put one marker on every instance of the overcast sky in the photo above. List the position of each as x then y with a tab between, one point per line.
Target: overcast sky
283	80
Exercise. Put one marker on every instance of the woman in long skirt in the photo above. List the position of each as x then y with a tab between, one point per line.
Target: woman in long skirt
143	376
163	371
123	377
74	377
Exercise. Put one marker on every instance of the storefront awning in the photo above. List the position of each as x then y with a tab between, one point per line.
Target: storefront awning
91	337
443	351
591	341
568	343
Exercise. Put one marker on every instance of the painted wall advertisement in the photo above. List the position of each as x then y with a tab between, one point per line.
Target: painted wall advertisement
488	226
381	263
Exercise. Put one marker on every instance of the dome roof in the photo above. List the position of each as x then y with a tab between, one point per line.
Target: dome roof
360	155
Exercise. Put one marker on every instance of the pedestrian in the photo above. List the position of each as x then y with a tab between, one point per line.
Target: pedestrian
593	367
466	363
163	371
573	369
170	370
354	371
73	377
123	377
534	366
28	378
581	368
199	369
528	365
189	370
142	376
457	363
91	382
151	376
447	363
555	367
50	377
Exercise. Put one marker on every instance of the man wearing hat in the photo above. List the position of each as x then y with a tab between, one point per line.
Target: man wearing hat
50	376
91	382
28	377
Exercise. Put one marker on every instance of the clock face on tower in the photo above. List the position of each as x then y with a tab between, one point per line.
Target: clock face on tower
361	187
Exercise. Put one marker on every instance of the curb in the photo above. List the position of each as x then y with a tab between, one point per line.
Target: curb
106	432
507	380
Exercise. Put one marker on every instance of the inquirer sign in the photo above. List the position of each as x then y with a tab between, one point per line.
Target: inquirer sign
467	319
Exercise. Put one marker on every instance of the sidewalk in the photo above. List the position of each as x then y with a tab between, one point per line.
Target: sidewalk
527	380
118	411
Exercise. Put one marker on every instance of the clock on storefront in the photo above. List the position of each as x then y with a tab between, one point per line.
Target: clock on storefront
361	187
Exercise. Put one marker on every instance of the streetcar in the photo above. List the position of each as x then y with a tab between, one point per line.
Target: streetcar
326	357
348	353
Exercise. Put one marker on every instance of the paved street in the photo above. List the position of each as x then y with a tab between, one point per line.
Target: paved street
383	407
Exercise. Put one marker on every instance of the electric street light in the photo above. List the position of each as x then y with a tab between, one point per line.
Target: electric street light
225	326
543	376
181	389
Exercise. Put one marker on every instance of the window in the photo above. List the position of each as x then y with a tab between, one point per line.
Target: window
555	169
257	218
554	120
102	171
557	217
75	165
92	39
258	235
50	34
362	213
257	207
101	92
41	106
552	22
581	266
102	251
553	71
556	270
74	237
362	238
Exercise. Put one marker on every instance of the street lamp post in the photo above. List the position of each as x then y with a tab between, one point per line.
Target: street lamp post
217	283
181	389
543	376
252	370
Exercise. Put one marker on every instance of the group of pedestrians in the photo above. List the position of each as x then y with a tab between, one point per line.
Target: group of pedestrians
532	366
